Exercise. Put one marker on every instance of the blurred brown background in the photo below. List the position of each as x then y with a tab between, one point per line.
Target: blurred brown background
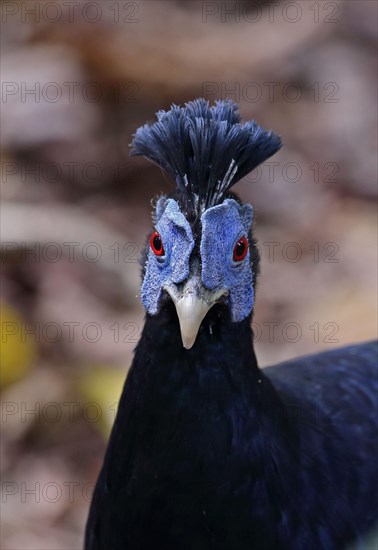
78	78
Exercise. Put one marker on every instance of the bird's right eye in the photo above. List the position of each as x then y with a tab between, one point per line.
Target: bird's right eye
240	250
156	244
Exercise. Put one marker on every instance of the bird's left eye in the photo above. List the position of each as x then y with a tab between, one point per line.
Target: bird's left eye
240	250
156	244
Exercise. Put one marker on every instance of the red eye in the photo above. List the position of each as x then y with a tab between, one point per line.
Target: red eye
240	250
156	244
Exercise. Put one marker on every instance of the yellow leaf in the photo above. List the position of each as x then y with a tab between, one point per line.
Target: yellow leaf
102	386
17	348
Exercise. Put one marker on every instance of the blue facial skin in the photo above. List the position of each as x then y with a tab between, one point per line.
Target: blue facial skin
222	226
173	266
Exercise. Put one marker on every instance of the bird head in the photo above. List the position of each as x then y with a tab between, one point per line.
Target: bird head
201	249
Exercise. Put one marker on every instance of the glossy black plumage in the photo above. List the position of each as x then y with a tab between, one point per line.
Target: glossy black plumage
210	452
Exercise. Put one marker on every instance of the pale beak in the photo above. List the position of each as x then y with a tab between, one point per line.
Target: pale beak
192	303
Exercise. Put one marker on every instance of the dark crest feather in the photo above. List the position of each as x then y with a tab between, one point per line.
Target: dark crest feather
206	149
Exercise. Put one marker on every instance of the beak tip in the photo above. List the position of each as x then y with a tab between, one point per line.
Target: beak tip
188	337
188	345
